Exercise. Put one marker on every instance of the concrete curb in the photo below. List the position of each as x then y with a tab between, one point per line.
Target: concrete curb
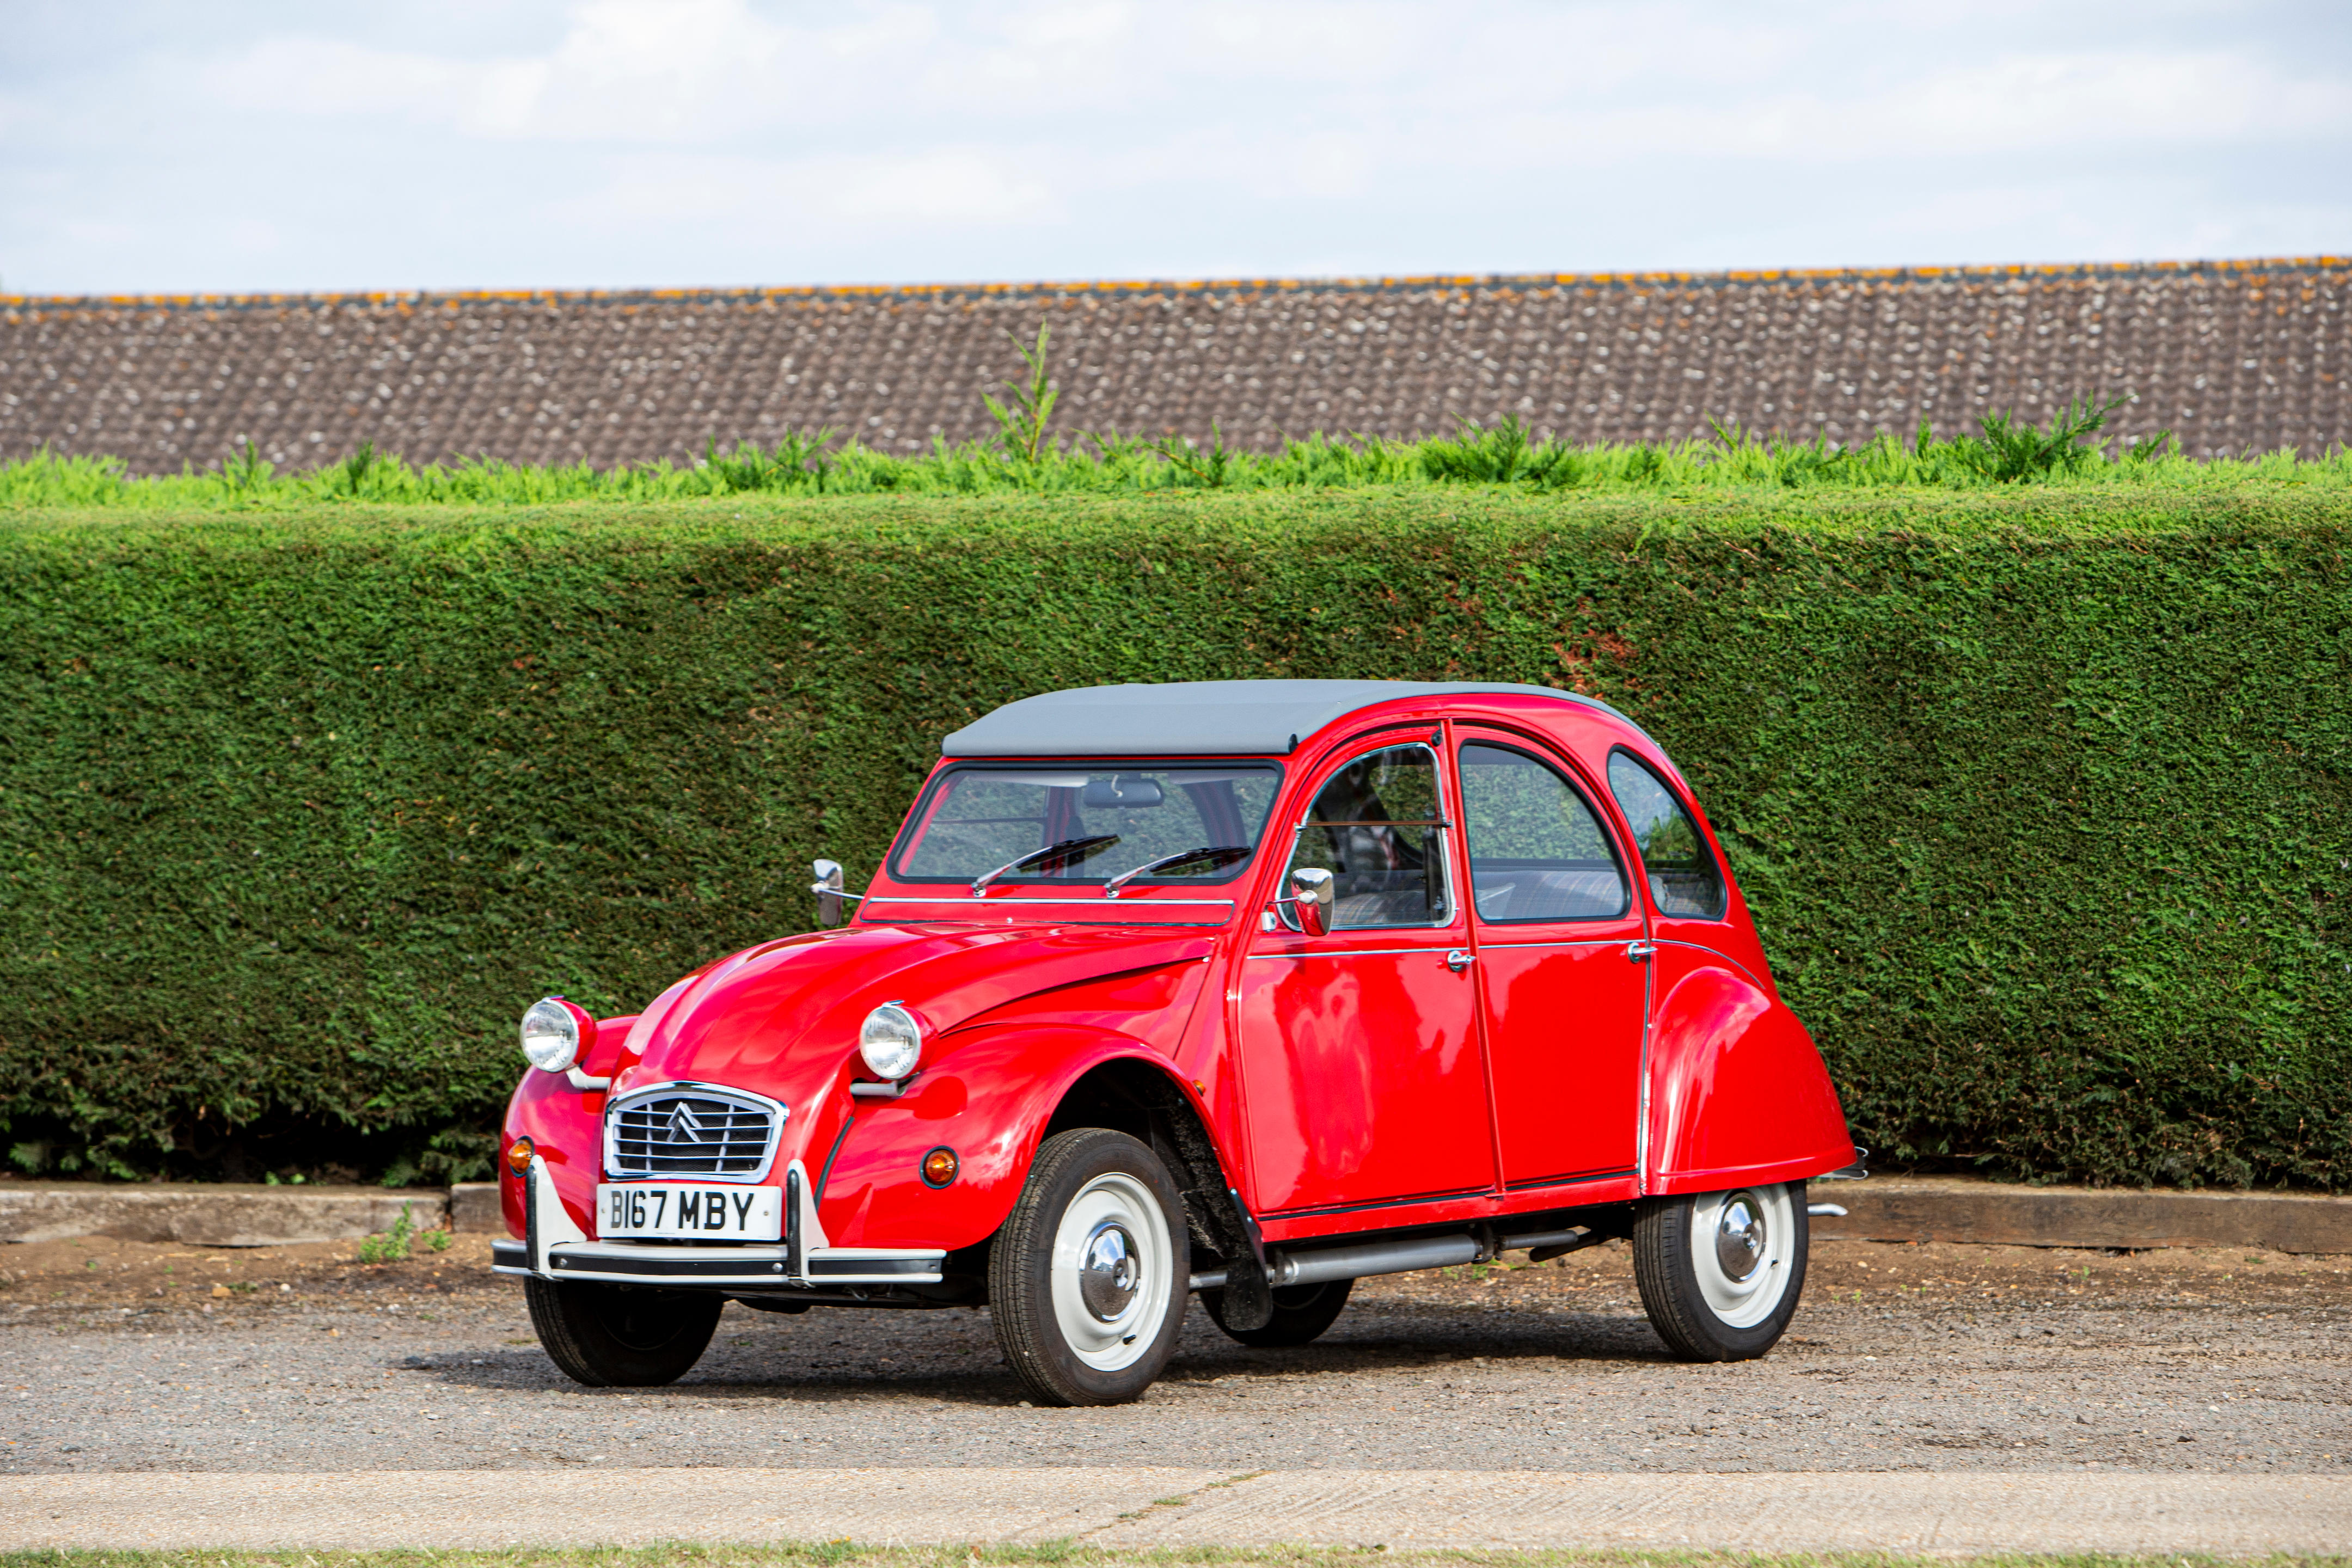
235	1215
474	1207
2000	1214
1883	1208
1945	1513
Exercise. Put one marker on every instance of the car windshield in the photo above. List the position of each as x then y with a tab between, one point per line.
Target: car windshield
1140	824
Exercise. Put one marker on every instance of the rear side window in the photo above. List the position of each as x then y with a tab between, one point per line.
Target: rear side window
1536	850
1684	878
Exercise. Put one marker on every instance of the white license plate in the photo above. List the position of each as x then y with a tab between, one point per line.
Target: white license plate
689	1209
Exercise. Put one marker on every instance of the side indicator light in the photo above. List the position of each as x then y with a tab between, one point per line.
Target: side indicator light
519	1153
939	1166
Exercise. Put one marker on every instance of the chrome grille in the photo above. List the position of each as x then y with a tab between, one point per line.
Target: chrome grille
691	1130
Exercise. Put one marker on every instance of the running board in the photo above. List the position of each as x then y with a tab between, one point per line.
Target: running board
1367	1258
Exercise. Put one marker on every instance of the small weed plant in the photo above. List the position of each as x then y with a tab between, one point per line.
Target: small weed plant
1023	421
391	1246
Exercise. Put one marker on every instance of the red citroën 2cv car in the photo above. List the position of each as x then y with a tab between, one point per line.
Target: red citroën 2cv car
1244	988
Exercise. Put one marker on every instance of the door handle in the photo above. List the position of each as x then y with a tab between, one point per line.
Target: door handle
1640	952
1458	960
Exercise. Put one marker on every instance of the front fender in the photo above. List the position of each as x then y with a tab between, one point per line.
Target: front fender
567	1127
1738	1091
988	1099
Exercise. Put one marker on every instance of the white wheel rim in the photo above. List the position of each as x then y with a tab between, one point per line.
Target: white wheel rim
1112	1215
1718	1221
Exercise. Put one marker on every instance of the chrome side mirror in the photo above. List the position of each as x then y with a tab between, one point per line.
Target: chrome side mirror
1311	892
828	888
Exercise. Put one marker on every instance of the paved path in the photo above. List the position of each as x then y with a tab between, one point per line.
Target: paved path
1147	1508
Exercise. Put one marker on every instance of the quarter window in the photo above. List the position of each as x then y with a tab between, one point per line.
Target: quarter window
1376	827
1684	878
1536	850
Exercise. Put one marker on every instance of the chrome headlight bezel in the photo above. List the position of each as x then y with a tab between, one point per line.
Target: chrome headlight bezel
890	1041
552	1031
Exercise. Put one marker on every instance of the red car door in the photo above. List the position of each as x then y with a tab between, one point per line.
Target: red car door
1560	937
1359	1048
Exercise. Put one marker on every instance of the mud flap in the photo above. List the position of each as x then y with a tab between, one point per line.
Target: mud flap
1248	1300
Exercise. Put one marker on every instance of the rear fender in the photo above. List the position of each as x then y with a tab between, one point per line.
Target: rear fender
1738	1091
989	1099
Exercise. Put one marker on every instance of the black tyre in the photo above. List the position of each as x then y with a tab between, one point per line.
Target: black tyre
616	1336
1088	1276
1720	1273
1301	1313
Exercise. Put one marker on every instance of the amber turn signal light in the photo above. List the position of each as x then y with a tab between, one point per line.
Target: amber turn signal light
939	1166
519	1153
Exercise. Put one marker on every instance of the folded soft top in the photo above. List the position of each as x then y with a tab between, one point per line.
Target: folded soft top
1198	718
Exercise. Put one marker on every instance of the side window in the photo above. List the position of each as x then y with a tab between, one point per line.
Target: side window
1684	878
1537	851
1375	827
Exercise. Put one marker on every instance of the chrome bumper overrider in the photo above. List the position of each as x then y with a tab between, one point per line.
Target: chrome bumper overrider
555	1248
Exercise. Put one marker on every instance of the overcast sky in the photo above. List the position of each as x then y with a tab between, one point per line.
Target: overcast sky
243	145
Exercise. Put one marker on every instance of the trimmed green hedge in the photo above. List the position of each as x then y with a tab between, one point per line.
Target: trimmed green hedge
2040	797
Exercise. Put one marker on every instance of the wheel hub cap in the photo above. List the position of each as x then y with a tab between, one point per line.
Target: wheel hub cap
1739	1236
1106	1279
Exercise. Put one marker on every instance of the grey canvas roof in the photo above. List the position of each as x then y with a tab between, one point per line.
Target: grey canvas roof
1196	718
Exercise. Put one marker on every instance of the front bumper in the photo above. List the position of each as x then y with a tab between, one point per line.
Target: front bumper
640	1263
555	1248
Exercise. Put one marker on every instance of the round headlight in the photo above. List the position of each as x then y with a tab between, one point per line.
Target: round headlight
550	1035
890	1041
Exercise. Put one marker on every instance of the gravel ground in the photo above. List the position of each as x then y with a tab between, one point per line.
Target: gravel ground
121	1356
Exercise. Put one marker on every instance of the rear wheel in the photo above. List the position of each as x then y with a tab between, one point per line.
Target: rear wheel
1088	1277
1301	1313
618	1336
1720	1273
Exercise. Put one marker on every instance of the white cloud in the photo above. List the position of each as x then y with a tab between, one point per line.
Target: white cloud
2054	101
946	185
624	71
2057	105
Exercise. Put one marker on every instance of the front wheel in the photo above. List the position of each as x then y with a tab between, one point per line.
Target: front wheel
1088	1277
1720	1273
620	1336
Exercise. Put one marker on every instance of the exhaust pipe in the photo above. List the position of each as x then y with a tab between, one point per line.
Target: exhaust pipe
1373	1257
1313	1267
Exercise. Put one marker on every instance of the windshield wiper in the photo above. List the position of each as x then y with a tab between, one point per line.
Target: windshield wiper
1216	857
1049	858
